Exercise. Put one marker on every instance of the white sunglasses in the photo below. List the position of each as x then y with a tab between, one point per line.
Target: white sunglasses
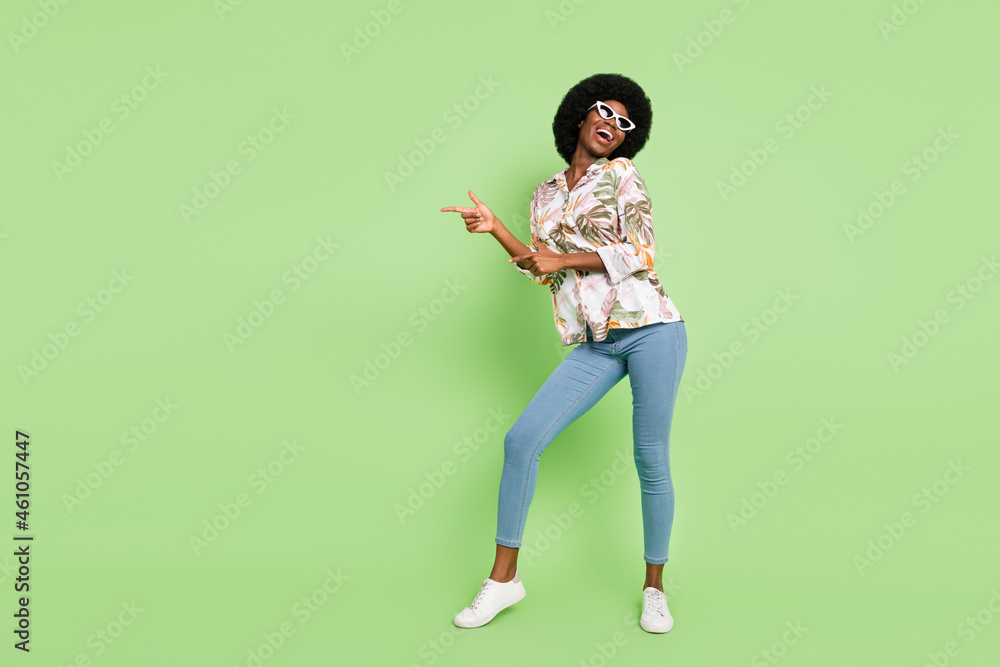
624	124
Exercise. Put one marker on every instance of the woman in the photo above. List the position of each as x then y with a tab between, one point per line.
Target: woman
592	244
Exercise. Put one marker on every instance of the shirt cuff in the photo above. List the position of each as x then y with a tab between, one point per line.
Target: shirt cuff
615	257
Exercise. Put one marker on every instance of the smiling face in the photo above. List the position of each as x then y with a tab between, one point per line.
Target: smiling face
594	130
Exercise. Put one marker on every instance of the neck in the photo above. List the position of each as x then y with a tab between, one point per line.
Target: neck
582	160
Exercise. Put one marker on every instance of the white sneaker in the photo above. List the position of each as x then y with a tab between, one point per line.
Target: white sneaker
493	597
655	615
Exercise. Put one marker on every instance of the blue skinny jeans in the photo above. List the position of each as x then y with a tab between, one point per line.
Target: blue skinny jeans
653	357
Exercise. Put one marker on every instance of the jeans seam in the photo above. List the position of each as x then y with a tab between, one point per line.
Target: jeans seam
645	556
677	339
521	515
677	384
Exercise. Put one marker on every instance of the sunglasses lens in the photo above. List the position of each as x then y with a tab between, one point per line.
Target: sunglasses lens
624	124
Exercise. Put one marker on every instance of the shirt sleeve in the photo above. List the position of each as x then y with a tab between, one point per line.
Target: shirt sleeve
635	252
538	280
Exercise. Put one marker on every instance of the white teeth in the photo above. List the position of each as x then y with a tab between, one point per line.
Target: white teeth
604	134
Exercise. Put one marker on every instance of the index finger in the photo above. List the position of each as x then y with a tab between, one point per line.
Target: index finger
460	209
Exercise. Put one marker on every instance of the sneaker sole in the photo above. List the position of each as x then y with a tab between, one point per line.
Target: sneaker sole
659	630
520	596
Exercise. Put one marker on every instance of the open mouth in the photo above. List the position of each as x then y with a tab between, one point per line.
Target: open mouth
604	135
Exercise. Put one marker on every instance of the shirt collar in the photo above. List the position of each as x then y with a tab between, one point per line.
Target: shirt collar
559	178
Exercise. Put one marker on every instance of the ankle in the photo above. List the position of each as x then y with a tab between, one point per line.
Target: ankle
502	576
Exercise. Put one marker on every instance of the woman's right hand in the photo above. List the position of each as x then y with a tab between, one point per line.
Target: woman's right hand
478	219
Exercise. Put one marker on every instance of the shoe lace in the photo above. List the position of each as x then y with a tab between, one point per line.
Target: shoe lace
656	600
482	594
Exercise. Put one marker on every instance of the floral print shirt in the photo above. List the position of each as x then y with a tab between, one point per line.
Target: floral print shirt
607	212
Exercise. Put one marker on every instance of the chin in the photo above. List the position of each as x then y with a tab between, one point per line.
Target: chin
605	151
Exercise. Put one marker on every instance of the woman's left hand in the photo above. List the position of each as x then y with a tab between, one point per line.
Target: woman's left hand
540	263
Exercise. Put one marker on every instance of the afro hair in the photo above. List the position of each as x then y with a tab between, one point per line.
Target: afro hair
574	108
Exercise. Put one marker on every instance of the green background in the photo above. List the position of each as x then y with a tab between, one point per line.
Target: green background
333	507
